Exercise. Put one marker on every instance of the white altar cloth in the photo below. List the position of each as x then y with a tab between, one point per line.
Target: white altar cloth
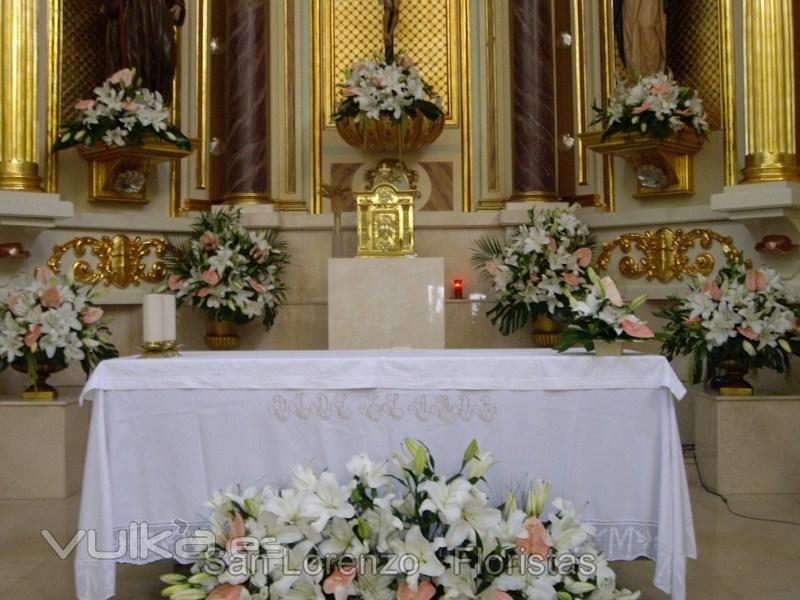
166	433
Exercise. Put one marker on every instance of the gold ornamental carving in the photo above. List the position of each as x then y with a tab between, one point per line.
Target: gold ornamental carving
386	213
120	261
666	253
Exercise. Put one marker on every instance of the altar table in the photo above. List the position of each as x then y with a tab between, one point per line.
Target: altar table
165	433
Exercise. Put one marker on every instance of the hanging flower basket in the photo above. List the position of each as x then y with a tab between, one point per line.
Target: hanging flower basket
387	135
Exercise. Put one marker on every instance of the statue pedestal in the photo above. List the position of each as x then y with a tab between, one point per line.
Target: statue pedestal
385	303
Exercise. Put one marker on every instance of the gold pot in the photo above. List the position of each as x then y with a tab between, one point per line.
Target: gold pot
603	348
40	389
222	335
384	135
546	332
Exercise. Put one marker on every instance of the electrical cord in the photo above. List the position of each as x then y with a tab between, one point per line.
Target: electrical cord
736	513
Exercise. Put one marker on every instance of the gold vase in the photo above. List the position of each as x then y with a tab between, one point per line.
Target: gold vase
222	335
385	135
546	332
40	389
730	379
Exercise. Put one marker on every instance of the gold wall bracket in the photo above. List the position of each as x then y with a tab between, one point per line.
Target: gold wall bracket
119	173
120	260
673	157
666	253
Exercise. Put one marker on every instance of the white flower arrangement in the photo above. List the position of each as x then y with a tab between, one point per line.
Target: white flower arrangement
599	313
374	88
538	267
655	106
229	272
121	113
408	533
744	314
52	320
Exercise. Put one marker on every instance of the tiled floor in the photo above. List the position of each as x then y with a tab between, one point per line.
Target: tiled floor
739	559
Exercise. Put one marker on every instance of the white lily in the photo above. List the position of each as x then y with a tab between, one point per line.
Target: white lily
417	546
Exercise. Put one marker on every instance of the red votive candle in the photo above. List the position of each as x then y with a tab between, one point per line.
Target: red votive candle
458	289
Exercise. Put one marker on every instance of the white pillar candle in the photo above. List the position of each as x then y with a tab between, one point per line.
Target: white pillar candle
152	318
168	318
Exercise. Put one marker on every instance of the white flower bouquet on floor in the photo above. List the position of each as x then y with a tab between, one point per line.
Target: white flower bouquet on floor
51	321
655	106
121	113
743	314
229	272
405	533
535	271
599	313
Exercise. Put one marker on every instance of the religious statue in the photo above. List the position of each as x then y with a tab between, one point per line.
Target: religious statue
391	16
641	28
140	34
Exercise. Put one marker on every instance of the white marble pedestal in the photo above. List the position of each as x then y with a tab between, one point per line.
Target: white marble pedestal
385	303
43	444
748	444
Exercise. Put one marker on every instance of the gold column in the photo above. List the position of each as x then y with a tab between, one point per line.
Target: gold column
771	145
19	104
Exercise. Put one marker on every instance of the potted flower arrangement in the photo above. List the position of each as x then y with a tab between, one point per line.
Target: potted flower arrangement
232	274
655	106
742	320
387	107
46	324
533	274
601	319
121	113
408	532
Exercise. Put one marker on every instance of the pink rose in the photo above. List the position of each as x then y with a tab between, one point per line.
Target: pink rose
640	109
755	280
408	62
637	329
92	315
612	292
44	275
211	277
228	592
340	578
13	300
692	321
551	244
355	66
174	282
748	332
570	278
236	531
130	105
349	92
663	87
534	278
256	286
425	591
534	544
584	256
33	335
209	240
203	292
711	288
501	596
124	76
50	298
491	268
84	104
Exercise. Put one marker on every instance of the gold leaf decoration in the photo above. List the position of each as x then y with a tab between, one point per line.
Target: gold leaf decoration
666	253
121	261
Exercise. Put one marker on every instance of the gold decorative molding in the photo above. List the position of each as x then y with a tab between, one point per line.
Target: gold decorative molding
671	156
666	253
579	84
202	69
290	98
120	260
